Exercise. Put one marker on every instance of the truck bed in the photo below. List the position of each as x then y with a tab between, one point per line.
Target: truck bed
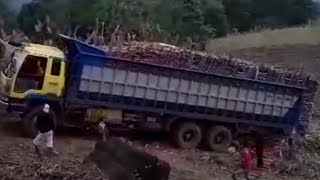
97	79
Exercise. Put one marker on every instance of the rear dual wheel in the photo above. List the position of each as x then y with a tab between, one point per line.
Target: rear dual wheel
218	138
187	135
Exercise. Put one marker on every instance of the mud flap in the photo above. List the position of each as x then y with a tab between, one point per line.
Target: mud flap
120	161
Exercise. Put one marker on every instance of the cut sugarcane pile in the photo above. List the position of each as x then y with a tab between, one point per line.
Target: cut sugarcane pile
175	57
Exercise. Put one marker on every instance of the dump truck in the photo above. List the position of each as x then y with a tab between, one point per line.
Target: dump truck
84	84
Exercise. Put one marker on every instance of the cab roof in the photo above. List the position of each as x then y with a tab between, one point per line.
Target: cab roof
42	50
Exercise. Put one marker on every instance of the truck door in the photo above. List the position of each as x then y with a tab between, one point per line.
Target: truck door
54	81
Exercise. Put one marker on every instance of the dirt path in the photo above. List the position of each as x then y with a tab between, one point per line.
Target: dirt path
18	160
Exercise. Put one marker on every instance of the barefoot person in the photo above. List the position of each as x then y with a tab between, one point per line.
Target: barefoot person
259	149
45	124
247	159
247	155
291	142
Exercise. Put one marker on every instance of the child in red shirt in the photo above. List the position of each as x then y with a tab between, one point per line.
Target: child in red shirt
247	155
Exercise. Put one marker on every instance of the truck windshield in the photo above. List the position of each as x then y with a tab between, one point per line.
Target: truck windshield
31	74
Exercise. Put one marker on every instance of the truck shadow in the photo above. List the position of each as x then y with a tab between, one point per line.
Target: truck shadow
13	128
142	137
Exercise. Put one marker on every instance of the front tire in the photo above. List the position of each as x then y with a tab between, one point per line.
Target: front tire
187	135
29	121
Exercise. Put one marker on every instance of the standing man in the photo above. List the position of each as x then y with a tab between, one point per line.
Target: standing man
259	149
103	131
291	142
45	124
39	76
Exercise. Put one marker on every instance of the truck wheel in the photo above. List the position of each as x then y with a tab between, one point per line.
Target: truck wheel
219	138
29	121
187	135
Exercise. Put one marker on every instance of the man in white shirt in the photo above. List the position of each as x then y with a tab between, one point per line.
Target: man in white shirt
46	125
102	128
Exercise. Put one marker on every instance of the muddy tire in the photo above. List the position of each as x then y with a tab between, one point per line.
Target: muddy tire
187	135
29	121
219	138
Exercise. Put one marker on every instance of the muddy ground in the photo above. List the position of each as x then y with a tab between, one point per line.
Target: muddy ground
18	160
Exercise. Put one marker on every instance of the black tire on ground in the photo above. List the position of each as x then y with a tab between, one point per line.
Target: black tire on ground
187	135
219	138
29	121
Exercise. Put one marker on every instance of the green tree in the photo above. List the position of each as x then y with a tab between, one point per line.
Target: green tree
162	19
301	12
239	14
29	15
282	13
128	14
193	22
215	16
7	17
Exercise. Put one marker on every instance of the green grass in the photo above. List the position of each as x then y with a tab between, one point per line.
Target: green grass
290	36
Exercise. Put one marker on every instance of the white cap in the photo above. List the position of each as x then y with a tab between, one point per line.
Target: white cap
46	108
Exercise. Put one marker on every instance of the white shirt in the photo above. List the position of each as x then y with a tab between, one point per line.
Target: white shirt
102	125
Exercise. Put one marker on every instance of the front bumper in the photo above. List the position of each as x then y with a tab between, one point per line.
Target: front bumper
3	107
4	102
10	106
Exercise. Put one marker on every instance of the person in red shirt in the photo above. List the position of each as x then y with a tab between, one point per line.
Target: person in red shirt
247	155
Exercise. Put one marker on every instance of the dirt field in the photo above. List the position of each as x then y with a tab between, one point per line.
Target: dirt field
18	160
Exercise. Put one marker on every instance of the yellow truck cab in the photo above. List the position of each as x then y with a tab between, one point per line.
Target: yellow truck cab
30	70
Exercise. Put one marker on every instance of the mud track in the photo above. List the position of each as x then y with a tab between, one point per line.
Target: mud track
18	160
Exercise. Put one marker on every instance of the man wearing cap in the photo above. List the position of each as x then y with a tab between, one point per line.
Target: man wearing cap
45	124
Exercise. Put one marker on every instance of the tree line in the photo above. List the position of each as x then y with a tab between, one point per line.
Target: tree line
163	19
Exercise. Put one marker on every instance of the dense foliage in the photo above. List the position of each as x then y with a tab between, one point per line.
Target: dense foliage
160	19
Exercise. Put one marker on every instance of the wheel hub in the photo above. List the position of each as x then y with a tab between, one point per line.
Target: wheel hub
188	136
218	139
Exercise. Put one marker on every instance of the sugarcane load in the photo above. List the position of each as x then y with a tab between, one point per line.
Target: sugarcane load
182	58
195	96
